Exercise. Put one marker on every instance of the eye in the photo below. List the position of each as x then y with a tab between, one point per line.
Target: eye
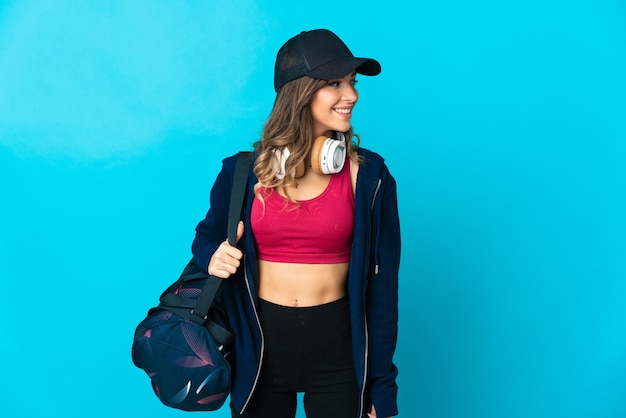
354	81
334	83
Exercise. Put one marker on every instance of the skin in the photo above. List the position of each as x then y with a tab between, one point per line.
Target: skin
293	284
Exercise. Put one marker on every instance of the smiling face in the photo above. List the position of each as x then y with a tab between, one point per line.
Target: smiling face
332	105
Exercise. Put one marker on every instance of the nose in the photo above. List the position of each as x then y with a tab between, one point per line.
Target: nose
349	93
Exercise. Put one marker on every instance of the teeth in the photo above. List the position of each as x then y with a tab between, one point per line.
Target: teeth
344	111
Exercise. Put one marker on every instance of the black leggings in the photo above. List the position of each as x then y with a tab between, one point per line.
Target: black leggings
306	350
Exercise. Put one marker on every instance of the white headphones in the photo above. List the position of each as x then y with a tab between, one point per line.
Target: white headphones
279	157
328	156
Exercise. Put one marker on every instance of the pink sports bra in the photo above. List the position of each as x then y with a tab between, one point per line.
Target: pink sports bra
318	231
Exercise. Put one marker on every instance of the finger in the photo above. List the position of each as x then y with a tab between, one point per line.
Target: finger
230	265
218	262
239	231
225	262
221	270
228	252
228	259
214	269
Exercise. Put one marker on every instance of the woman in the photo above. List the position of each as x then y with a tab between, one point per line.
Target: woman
313	303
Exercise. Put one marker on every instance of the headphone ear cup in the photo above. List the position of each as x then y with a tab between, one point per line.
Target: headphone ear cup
316	154
328	155
279	157
278	161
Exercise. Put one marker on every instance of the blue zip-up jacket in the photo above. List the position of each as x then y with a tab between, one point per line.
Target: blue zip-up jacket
372	284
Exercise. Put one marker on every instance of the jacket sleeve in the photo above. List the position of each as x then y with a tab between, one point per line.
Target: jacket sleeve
211	231
382	300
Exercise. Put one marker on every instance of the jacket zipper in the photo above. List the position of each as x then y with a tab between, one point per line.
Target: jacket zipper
375	193
367	342
376	265
367	337
256	315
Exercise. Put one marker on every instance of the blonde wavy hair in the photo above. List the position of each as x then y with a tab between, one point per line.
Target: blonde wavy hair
290	125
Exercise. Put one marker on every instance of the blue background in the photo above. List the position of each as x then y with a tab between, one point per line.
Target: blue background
504	124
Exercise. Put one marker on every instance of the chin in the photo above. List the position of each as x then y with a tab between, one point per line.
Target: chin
338	128
344	128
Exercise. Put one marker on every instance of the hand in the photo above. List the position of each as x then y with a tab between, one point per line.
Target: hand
372	413
226	259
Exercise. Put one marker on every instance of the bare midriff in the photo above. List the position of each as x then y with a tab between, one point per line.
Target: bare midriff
302	285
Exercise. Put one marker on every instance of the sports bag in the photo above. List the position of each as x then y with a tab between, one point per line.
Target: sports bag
183	344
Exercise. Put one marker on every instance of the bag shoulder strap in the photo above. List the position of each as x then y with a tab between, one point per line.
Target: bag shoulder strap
212	284
240	179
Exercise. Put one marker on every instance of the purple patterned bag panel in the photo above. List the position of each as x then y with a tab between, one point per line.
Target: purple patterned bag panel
185	366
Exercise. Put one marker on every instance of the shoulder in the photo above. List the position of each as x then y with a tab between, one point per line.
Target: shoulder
228	163
372	163
230	160
225	176
368	154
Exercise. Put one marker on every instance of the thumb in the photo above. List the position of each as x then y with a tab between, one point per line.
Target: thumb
239	231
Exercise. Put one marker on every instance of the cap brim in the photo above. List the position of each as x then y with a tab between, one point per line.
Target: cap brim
343	66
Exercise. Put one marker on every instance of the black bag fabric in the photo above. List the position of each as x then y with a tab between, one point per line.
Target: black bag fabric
183	344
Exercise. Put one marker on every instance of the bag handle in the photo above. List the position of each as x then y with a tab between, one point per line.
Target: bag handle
212	284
